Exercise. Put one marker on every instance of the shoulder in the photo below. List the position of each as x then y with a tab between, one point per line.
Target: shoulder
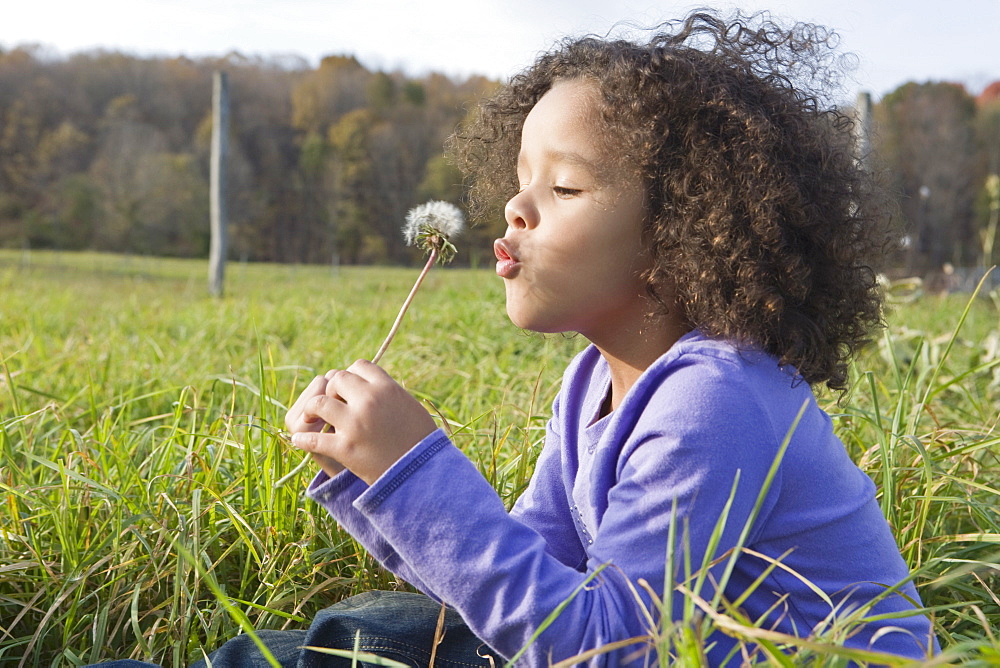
718	395
711	370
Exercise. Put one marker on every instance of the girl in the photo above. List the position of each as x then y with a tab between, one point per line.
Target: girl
692	208
694	211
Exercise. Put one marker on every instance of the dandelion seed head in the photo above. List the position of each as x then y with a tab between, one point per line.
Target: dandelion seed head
435	217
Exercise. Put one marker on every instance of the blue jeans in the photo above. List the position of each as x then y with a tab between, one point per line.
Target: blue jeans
393	625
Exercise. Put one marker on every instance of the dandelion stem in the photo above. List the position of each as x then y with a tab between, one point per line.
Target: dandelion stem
406	305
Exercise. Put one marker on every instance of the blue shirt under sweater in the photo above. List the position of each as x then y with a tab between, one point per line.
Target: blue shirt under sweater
694	439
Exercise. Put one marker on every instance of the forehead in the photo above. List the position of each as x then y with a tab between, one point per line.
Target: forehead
563	123
574	99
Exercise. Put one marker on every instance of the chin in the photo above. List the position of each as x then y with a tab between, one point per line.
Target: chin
533	317
533	324
520	321
516	320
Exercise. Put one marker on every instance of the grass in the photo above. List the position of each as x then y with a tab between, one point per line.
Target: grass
138	448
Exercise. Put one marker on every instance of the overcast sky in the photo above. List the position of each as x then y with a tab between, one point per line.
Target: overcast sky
895	40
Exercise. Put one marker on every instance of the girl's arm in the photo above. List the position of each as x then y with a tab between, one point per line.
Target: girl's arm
431	516
337	496
336	488
543	506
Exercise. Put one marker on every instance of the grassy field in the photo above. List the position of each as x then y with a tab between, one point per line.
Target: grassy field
139	454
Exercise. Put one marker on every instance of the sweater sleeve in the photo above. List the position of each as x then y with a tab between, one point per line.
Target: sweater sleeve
337	496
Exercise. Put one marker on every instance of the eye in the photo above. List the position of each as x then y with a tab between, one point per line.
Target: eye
566	193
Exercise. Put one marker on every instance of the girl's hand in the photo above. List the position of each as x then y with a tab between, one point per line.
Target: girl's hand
297	422
374	420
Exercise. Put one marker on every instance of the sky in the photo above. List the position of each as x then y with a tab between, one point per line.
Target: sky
895	41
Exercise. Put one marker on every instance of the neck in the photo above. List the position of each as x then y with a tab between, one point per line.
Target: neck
630	353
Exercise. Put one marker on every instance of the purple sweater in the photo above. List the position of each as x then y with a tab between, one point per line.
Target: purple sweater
703	418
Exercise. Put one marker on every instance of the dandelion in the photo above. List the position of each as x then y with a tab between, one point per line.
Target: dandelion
430	227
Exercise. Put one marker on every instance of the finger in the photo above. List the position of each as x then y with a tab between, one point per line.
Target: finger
345	384
319	443
306	423
324	408
369	371
293	418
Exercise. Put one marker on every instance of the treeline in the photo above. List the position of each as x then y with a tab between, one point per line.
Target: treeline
109	151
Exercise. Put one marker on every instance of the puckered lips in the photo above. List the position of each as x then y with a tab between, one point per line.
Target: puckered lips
507	262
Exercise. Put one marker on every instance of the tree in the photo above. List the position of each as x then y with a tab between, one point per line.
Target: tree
352	188
988	202
125	171
927	139
71	215
323	96
18	189
68	206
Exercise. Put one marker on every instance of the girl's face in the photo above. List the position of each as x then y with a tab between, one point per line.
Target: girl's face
572	255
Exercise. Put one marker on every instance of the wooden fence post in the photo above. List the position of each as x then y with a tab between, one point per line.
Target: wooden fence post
217	204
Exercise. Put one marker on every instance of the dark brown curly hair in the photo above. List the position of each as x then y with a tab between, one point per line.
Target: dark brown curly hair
763	224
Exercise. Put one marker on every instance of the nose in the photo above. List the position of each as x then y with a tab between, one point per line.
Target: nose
520	212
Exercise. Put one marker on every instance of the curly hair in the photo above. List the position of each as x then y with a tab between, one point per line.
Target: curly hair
763	223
